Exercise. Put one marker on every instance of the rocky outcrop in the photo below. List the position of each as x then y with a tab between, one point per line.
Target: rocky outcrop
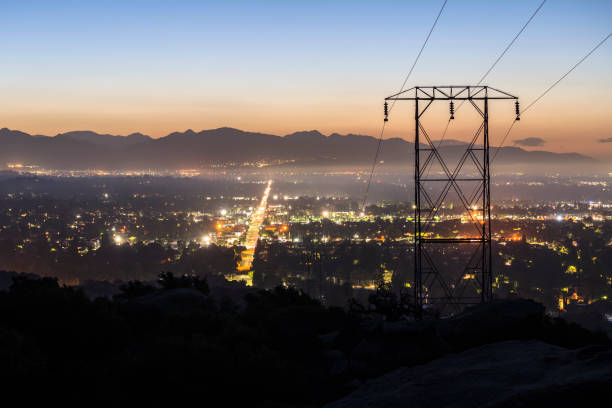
506	374
492	322
377	346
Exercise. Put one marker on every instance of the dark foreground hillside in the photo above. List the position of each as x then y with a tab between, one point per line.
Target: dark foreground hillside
178	343
506	374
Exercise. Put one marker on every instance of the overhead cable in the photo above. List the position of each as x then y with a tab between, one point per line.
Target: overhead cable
382	131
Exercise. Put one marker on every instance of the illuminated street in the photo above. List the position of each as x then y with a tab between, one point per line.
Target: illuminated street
252	234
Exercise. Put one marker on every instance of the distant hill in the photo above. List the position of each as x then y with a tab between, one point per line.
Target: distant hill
190	149
112	141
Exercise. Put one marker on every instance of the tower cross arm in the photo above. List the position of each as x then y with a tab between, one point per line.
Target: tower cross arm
450	92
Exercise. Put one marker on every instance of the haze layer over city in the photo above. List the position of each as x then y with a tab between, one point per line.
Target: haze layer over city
312	203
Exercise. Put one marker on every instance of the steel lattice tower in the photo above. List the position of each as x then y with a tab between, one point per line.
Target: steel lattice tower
472	283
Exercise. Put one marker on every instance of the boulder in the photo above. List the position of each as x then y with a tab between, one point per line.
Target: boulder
491	322
512	373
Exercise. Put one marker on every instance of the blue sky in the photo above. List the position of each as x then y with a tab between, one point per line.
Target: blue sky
156	67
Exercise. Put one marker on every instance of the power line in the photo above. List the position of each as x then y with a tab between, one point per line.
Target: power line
568	72
511	43
494	64
421	50
382	131
549	89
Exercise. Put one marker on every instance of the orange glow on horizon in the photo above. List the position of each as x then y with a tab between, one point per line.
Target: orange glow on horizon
558	127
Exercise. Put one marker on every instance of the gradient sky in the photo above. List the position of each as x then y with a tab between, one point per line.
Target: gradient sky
280	66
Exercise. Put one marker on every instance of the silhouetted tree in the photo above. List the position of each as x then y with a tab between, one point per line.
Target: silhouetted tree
167	280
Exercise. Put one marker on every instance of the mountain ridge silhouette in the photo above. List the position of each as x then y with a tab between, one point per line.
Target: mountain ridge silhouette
86	149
